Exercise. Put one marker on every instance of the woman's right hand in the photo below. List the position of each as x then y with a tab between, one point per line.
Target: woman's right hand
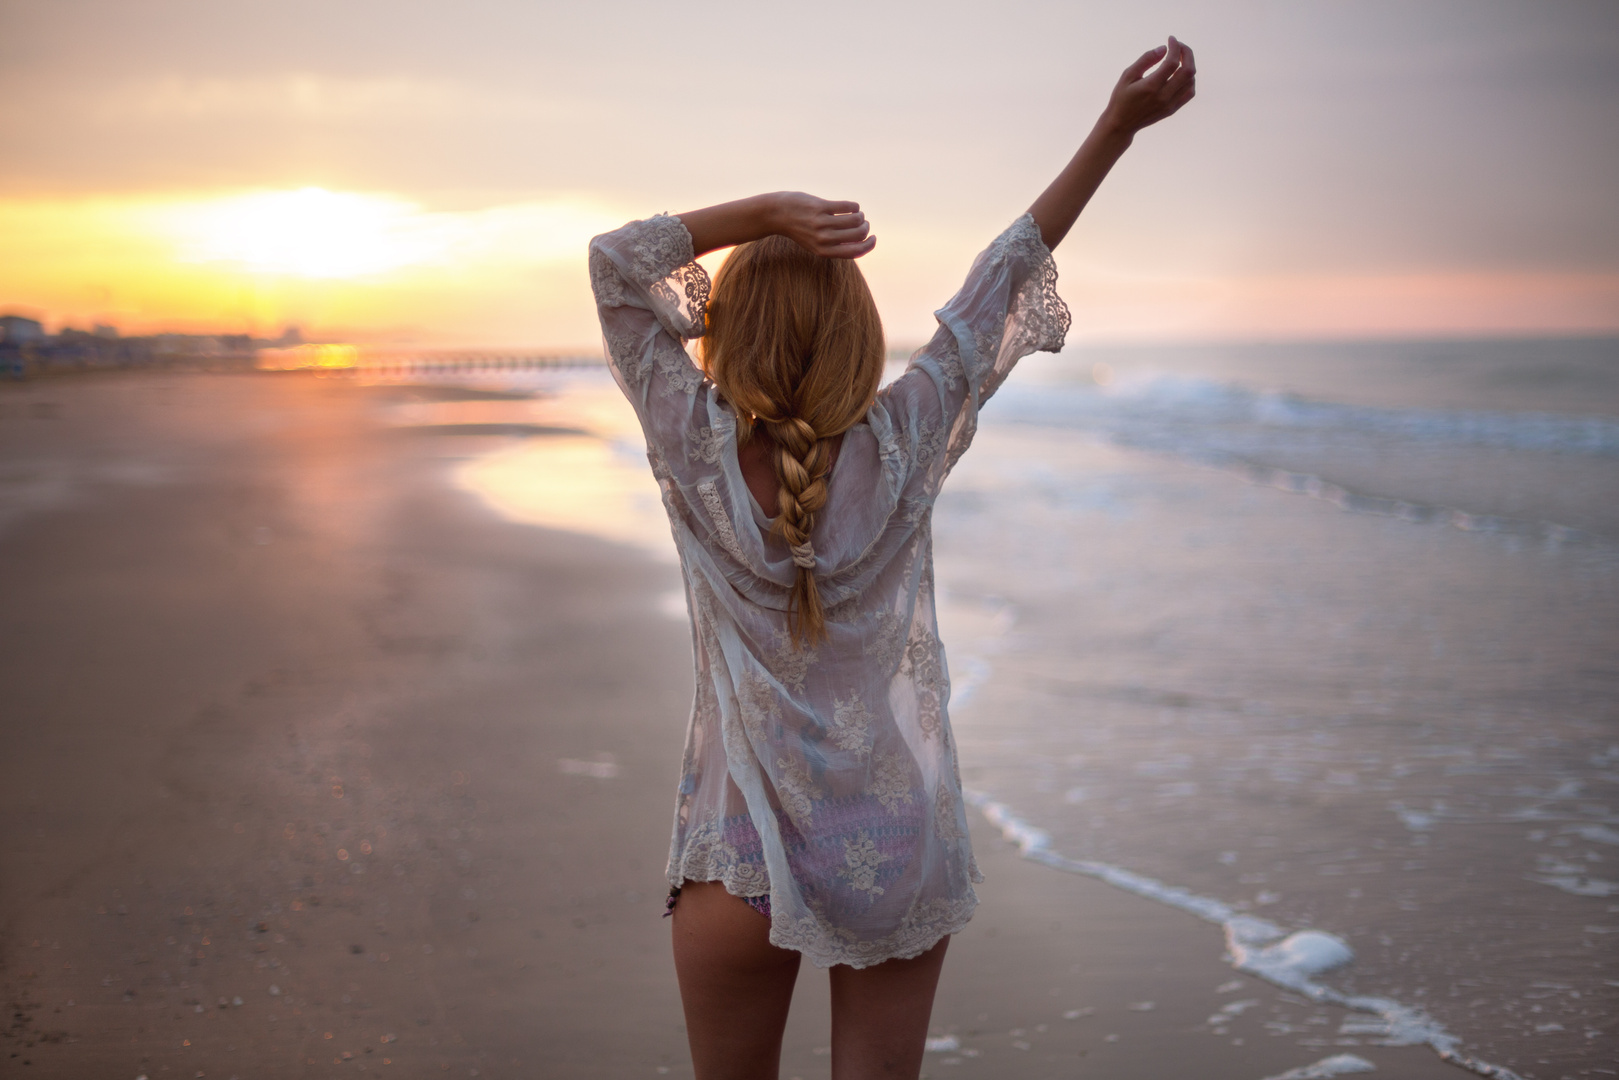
837	230
1141	99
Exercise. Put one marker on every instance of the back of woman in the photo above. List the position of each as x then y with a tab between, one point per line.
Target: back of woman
820	770
820	782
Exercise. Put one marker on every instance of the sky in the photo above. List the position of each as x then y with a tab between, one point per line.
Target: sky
430	173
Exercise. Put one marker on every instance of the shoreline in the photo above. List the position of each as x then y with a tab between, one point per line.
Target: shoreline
297	726
1286	960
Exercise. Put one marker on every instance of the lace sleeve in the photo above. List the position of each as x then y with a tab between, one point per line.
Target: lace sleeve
1007	308
651	297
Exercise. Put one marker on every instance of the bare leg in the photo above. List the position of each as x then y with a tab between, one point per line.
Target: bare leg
735	985
880	1016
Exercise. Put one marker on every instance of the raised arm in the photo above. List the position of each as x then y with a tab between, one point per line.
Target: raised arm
1144	95
836	229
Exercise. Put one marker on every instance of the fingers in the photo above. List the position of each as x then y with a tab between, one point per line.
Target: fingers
843	243
850	251
1143	62
1183	77
851	235
1172	57
833	228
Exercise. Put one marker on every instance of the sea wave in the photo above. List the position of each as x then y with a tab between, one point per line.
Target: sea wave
1174	409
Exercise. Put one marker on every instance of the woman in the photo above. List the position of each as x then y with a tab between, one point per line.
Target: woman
820	809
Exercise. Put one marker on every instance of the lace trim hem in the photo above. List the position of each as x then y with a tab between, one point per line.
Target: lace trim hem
1044	317
711	852
825	945
734	884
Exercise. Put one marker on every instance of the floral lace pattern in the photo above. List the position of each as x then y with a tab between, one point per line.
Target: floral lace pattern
715	506
851	726
796	790
891	781
822	779
945	809
929	441
921	928
861	859
680	377
707	444
789	663
888	645
761	710
730	852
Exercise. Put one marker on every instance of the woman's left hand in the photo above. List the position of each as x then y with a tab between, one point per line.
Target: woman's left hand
837	230
1141	99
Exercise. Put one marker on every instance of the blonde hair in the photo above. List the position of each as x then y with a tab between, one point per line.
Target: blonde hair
795	345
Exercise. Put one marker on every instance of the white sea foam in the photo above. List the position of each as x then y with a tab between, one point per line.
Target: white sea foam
1337	1065
1415	820
1577	884
1291	961
1230	1011
1596	834
605	768
1259	947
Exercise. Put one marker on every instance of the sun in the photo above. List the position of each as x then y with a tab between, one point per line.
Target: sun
312	233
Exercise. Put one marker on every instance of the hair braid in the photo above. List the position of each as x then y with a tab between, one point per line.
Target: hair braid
794	344
802	460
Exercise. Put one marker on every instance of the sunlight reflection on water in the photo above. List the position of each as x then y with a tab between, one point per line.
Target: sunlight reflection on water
587	475
580	483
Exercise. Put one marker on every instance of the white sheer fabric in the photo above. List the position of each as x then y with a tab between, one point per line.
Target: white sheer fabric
824	778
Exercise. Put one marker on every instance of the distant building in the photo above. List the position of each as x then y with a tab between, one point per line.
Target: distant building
16	330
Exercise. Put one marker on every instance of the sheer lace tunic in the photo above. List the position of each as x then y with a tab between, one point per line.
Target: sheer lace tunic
825	778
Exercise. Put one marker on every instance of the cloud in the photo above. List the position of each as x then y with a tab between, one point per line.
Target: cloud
1334	146
303	95
306	96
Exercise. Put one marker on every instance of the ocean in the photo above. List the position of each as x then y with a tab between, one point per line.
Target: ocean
1319	642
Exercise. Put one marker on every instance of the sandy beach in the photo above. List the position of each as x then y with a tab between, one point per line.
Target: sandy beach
315	765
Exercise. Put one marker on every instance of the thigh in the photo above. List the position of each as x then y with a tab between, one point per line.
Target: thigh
735	985
880	1016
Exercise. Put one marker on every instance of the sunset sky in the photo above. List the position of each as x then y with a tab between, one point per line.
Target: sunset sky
431	172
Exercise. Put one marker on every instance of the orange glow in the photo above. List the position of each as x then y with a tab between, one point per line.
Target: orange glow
379	268
308	357
310	233
368	265
1109	307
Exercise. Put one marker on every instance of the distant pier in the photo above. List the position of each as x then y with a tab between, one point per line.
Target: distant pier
354	360
467	363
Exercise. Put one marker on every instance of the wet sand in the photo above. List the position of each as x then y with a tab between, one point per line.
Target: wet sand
315	766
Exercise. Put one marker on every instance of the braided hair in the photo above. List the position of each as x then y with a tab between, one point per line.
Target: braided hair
794	343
